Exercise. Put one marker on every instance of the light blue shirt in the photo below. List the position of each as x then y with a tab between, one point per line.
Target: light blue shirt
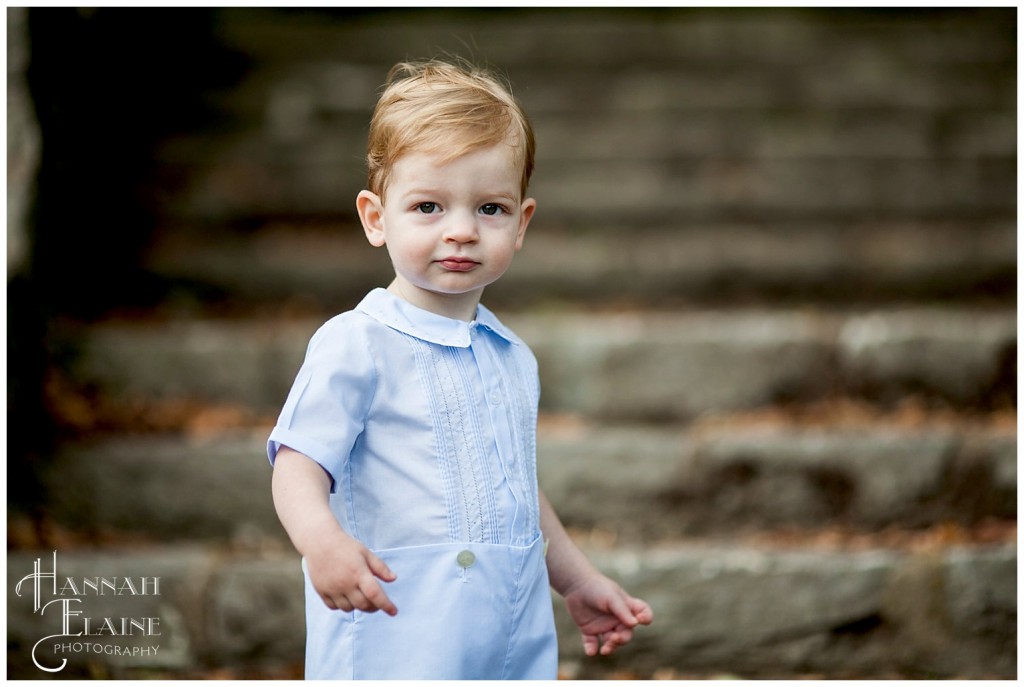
427	427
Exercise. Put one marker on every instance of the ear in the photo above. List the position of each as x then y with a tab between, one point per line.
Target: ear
525	214
371	214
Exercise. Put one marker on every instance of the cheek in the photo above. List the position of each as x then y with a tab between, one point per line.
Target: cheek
507	252
421	243
411	246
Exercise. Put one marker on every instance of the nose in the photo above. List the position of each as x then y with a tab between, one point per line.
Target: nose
461	228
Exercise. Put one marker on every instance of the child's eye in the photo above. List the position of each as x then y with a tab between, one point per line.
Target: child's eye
491	209
427	208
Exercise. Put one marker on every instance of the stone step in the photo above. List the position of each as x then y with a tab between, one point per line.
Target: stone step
711	262
653	483
320	178
943	612
329	134
635	482
754	38
628	365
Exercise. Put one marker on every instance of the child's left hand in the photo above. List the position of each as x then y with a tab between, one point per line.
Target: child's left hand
605	614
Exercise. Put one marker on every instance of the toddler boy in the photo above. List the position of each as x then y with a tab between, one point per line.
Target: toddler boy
404	456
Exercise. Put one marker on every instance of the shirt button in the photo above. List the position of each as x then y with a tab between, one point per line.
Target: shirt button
495	398
465	559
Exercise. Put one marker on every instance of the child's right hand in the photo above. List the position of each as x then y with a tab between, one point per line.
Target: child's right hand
345	574
342	570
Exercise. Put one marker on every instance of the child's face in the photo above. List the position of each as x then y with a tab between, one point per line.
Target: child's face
451	229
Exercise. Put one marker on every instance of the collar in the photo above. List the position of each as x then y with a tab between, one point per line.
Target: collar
390	310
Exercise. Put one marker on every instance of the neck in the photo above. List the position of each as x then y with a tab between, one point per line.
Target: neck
460	306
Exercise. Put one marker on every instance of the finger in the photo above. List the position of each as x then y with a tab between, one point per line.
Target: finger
641	611
377	597
618	606
613	640
359	601
623	636
337	604
379	568
590	645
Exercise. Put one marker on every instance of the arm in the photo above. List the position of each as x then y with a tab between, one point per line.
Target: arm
342	570
605	614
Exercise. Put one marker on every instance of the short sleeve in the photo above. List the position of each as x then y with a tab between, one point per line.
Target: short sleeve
327	406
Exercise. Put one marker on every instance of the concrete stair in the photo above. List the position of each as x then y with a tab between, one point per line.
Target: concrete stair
620	365
638	482
749	610
828	263
771	288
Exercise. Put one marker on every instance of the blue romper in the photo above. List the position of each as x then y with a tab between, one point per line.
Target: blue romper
427	427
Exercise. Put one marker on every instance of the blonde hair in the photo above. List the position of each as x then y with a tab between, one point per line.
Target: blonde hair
444	109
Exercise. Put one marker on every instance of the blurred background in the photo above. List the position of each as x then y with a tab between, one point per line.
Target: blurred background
771	285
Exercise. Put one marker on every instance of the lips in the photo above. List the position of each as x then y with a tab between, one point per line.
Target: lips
457	264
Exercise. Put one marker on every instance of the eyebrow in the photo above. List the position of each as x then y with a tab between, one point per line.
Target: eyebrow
509	196
426	191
